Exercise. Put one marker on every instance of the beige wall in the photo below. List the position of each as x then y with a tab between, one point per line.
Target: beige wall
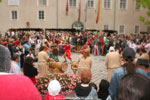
28	12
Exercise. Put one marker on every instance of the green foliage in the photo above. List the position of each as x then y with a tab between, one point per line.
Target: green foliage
141	18
148	13
146	5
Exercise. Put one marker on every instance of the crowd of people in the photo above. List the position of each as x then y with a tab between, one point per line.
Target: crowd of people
127	63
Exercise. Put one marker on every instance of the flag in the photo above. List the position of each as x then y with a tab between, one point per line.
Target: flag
98	12
67	8
86	8
79	11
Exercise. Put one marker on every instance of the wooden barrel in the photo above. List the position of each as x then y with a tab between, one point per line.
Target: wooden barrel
58	67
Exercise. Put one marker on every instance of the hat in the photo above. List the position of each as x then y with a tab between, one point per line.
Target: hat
111	49
4	59
54	87
144	62
5	42
128	54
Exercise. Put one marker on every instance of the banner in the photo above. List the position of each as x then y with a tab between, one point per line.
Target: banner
98	12
86	8
79	11
67	8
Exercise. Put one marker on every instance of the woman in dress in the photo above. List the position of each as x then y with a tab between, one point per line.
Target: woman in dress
84	61
67	52
43	58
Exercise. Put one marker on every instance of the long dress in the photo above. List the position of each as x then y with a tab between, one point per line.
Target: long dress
68	52
42	66
84	63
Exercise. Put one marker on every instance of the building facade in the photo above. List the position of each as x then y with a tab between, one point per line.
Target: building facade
120	15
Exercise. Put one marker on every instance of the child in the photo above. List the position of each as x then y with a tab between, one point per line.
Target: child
29	69
55	51
54	88
96	49
103	90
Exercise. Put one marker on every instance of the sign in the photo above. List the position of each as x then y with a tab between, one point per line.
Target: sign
78	25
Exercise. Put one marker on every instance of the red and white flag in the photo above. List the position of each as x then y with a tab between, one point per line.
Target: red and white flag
79	11
67	8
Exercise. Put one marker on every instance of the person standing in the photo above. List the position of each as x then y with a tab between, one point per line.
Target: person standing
112	62
67	52
43	58
128	68
84	61
14	64
143	54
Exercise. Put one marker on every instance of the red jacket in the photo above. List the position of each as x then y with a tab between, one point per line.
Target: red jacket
56	97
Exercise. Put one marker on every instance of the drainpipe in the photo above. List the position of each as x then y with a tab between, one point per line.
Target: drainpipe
114	15
56	13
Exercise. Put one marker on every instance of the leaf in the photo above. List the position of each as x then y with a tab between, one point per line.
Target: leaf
148	13
141	18
147	23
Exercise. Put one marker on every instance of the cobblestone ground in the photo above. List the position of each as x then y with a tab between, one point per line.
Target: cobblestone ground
98	68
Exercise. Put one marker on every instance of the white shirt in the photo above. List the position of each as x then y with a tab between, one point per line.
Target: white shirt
15	68
30	55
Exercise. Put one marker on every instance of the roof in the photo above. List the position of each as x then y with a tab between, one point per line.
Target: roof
110	31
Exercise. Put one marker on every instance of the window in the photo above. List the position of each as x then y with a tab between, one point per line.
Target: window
137	29
107	3
72	3
14	15
41	15
123	4
13	2
90	3
106	27
121	29
42	2
148	29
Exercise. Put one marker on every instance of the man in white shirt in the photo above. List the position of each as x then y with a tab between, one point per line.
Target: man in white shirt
14	65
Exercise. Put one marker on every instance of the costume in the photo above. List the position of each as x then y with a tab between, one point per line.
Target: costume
112	62
68	52
84	63
96	50
102	44
42	66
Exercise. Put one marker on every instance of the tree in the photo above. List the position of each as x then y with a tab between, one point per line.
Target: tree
146	5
